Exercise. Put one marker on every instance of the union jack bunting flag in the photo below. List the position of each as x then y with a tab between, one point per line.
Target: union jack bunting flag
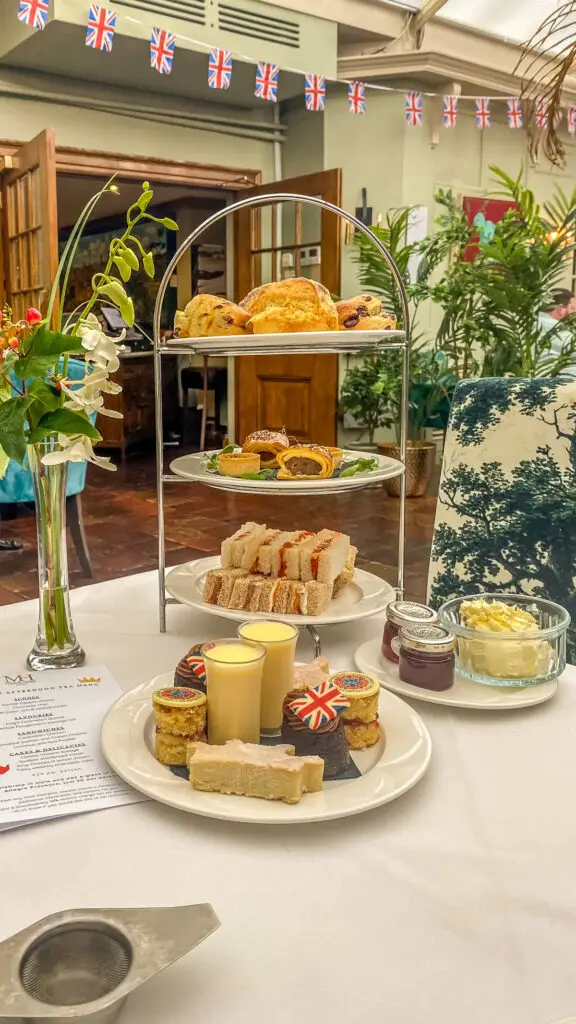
162	50
413	109
357	97
101	28
320	705
515	115
450	111
542	114
266	81
33	12
572	120
315	92
219	68
483	115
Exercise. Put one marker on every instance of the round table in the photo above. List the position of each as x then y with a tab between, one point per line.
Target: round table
456	904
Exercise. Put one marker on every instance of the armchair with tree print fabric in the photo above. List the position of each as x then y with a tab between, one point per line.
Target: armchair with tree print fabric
506	515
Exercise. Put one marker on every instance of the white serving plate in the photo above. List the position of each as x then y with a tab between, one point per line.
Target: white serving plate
304	342
366	595
193	467
388	769
464	693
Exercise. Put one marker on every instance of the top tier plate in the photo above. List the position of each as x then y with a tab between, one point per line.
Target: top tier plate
305	343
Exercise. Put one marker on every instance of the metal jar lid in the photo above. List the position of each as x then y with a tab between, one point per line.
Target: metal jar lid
405	613
429	639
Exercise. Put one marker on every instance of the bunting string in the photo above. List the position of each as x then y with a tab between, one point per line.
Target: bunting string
101	27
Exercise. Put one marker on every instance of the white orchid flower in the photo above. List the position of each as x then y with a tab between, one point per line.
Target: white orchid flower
86	395
76	448
100	349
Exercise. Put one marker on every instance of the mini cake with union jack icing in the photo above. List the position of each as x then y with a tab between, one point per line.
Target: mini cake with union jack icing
312	723
179	717
360	719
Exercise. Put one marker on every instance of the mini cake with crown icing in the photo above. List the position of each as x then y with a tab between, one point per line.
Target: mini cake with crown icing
179	717
191	670
360	719
312	723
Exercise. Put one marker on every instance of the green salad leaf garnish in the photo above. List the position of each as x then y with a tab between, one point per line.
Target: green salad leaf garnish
263	474
359	466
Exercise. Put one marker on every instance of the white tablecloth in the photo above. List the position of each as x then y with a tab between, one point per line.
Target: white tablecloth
456	904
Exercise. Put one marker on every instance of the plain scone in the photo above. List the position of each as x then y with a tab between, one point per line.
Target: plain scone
248	769
297	304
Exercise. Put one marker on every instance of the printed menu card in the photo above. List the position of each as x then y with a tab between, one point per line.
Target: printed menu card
50	759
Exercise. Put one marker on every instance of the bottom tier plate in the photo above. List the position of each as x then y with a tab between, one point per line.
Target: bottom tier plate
366	595
464	693
388	769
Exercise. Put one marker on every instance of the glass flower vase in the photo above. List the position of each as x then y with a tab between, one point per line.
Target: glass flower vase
56	645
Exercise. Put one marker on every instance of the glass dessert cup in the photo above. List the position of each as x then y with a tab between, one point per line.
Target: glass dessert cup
525	658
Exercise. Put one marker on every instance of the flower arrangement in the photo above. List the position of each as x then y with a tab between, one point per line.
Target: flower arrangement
38	401
47	417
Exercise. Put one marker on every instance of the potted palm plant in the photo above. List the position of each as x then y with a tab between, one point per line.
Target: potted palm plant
382	374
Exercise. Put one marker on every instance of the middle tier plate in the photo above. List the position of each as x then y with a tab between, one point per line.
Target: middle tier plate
366	595
193	467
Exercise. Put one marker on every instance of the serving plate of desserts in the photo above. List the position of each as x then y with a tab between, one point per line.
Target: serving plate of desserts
322	764
298	576
298	314
268	461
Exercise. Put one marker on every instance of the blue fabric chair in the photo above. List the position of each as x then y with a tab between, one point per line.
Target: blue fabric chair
16	486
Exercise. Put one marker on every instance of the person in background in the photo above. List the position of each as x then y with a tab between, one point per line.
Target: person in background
564	305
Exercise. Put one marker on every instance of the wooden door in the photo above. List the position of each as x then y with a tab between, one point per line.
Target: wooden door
30	225
296	392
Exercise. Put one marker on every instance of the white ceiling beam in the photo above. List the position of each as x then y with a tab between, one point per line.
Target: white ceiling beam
427	11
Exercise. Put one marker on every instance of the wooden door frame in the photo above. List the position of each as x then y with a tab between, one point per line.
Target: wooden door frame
96	163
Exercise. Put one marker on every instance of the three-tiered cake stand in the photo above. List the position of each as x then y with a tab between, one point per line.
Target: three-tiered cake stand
184	583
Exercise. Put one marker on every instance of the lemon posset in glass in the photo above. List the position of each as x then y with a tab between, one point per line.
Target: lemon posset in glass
279	640
233	684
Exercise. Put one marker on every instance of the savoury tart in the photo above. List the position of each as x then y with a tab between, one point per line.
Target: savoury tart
238	463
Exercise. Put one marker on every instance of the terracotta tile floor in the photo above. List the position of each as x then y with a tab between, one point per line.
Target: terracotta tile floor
120	521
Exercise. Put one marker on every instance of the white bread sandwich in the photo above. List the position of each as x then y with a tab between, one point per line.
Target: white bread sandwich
233	548
266	551
286	554
253	545
347	575
326	559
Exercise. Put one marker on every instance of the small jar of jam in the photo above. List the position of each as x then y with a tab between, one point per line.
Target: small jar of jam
398	615
426	656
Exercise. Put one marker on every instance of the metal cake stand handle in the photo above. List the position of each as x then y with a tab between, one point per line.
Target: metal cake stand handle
315	640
